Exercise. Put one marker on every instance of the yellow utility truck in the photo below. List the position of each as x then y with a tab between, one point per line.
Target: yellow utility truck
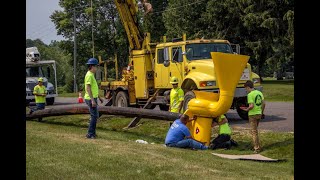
145	83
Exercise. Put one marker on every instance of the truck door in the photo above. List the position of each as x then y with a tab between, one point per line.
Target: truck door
161	71
176	63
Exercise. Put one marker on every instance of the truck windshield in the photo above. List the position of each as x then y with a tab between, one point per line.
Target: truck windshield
33	72
202	50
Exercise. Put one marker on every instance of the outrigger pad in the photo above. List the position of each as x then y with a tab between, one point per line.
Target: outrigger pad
253	157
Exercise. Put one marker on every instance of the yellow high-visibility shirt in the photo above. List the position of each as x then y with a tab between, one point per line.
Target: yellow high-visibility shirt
176	96
40	90
90	79
224	128
255	97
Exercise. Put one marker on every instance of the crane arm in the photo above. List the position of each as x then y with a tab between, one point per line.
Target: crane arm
128	10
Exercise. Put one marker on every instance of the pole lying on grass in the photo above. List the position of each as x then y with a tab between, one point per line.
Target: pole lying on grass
110	110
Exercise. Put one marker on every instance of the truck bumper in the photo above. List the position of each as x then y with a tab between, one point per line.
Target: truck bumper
239	92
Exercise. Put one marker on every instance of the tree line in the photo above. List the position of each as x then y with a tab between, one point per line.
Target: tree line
263	28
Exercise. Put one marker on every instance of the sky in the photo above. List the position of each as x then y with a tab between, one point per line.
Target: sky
39	24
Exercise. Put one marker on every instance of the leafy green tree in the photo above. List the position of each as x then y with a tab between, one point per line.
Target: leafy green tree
153	22
62	58
108	33
180	17
264	29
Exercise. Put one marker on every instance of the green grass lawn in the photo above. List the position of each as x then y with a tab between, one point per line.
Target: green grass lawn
57	149
274	90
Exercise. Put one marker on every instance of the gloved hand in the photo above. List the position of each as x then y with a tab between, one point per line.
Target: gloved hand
262	116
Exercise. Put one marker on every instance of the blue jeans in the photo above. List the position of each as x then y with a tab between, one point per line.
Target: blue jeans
188	143
94	113
40	106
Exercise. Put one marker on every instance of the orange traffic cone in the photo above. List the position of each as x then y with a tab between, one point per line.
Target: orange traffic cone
80	99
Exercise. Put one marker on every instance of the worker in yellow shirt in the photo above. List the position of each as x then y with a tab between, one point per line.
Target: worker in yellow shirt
255	111
176	96
91	96
223	140
40	93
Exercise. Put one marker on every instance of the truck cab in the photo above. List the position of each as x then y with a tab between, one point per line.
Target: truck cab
190	61
36	69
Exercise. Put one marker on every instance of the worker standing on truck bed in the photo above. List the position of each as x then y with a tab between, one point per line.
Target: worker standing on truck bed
176	96
179	135
91	95
255	109
40	93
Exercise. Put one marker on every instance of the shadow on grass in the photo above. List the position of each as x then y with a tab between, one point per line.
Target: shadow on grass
243	146
76	123
279	143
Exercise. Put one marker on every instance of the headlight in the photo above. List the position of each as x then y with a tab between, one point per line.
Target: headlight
207	83
256	80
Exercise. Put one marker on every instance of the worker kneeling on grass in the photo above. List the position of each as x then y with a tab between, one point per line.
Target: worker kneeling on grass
223	140
179	135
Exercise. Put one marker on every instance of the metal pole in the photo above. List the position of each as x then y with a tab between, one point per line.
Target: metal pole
55	77
74	52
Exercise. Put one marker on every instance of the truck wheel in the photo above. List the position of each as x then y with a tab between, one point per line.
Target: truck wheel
122	99
243	114
187	97
163	107
50	101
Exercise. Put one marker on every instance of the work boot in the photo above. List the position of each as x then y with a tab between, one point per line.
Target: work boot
90	136
257	151
212	146
227	145
233	143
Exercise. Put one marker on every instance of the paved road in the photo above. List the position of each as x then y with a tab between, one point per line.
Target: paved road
279	115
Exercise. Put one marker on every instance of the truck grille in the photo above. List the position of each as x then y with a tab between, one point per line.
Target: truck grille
32	85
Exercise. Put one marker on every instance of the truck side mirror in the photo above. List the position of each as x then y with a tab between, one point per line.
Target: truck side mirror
166	58
166	63
166	54
236	48
48	72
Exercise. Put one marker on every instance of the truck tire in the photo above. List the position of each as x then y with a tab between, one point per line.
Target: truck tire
122	99
50	101
243	114
187	97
